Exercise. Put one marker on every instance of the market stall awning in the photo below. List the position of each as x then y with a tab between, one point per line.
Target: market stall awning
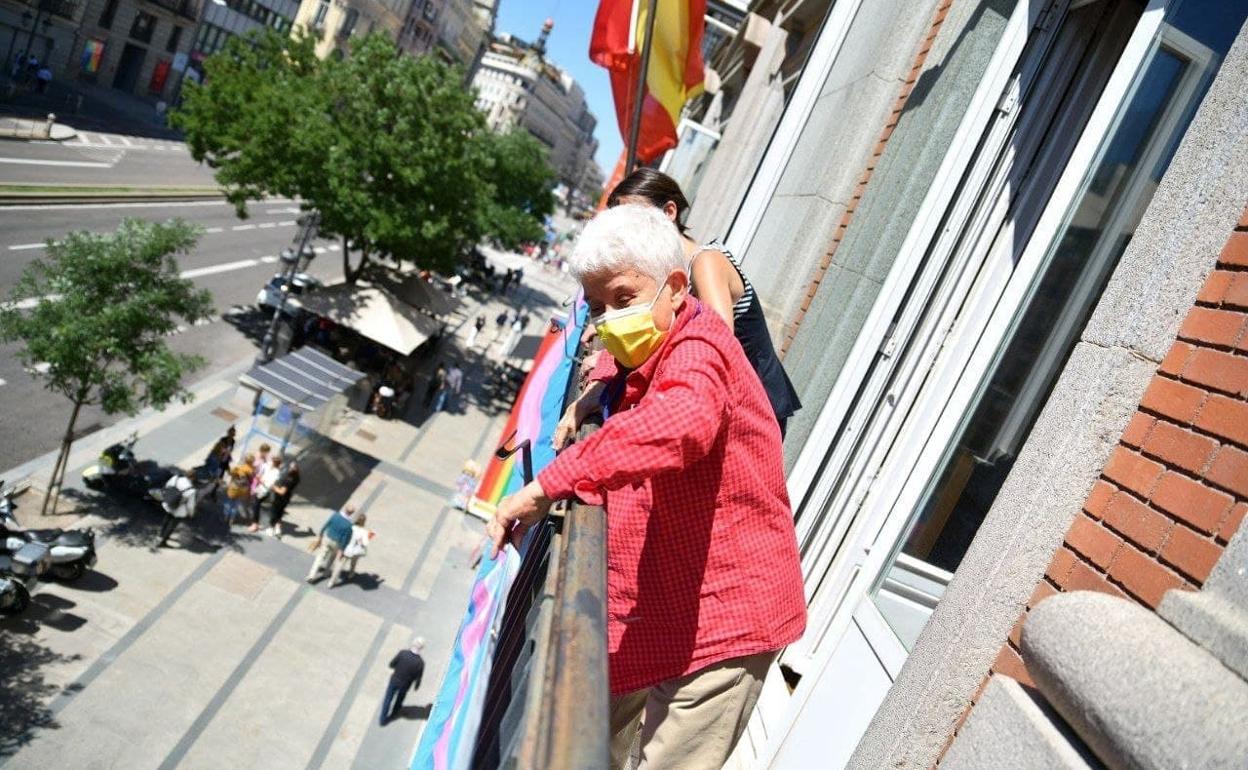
306	378
375	313
419	293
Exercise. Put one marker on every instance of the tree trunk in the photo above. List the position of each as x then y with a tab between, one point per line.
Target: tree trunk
352	275
58	472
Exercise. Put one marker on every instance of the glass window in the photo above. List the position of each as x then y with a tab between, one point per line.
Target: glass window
110	10
1100	223
143	27
322	10
171	45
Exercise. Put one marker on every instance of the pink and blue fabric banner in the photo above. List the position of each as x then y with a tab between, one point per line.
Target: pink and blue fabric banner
451	733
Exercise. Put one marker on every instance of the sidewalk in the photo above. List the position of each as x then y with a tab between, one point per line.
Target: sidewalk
214	652
87	107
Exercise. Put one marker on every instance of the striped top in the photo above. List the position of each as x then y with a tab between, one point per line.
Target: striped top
743	304
750	328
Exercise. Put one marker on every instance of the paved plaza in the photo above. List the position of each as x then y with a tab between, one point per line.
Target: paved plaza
214	652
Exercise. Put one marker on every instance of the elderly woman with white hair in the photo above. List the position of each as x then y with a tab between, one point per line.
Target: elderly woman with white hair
704	585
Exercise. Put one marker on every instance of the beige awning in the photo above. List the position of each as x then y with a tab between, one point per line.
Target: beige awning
374	313
420	293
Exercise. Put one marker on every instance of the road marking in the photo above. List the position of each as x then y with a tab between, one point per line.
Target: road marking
287	210
25	246
243	227
126	141
335	247
104	138
287	223
215	230
222	268
74	163
145	205
266	225
268	260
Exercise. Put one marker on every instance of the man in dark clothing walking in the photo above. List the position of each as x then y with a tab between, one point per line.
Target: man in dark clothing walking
408	667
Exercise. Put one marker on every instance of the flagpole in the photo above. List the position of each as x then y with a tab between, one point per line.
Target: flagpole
639	96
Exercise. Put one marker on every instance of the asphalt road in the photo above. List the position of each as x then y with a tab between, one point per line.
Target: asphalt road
102	159
233	259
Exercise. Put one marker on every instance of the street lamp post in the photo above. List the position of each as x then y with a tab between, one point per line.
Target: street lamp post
308	225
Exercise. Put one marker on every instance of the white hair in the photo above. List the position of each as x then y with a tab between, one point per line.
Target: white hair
418	643
629	236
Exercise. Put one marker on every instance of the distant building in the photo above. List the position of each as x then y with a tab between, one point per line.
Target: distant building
222	21
135	46
458	31
517	86
335	23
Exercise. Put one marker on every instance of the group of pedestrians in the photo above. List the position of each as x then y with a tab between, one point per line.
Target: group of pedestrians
444	388
28	67
253	480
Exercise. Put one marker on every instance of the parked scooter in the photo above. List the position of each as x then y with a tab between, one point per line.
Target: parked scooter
71	551
118	471
19	573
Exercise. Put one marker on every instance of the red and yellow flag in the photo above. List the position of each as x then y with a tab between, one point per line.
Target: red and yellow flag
675	72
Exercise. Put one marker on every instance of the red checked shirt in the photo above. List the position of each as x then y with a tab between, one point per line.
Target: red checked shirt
702	560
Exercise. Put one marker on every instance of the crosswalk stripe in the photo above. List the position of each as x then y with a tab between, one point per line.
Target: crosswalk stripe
126	141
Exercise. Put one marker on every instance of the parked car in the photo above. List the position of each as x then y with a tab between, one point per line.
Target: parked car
270	296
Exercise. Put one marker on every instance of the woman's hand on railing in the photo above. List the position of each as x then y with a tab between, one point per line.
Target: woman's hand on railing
515	514
576	413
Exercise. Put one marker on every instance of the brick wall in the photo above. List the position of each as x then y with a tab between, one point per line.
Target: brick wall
1175	489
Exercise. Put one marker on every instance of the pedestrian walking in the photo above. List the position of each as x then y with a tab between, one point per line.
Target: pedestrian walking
450	392
43	78
477	326
513	339
436	383
500	325
265	479
283	490
408	669
238	490
357	547
178	500
217	463
333	537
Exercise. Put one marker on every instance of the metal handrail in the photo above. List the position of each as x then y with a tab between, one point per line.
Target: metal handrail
546	705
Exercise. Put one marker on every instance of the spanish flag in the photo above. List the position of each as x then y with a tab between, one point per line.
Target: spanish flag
675	72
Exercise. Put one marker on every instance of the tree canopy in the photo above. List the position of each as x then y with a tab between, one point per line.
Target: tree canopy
389	149
94	315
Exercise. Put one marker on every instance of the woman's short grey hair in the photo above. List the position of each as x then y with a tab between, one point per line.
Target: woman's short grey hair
629	236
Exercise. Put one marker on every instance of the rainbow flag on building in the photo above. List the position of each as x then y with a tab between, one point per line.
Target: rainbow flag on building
451	732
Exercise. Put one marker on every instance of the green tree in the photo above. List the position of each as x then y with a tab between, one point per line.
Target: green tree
95	315
522	183
389	149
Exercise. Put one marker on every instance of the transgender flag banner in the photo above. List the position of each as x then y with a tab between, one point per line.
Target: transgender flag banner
451	732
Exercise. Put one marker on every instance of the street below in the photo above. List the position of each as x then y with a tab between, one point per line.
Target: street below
233	259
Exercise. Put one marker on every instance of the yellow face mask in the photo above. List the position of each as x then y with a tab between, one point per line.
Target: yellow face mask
629	334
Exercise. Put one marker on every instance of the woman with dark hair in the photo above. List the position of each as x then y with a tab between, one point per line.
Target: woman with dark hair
718	282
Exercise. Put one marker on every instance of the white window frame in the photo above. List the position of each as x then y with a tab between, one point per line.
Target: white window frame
953	383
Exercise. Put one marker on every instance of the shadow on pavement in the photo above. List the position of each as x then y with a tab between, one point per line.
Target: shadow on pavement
26	694
331	473
416	712
136	524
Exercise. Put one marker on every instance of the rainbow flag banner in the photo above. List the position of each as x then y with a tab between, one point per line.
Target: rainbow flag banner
537	411
451	733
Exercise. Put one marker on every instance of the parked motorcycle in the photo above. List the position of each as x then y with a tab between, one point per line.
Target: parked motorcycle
71	551
19	573
119	471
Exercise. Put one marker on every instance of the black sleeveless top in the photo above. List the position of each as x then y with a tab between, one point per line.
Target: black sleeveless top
750	328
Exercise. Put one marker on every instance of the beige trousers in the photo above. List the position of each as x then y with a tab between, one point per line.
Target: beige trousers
689	723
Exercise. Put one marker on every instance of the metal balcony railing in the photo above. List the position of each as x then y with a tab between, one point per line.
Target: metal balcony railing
546	705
